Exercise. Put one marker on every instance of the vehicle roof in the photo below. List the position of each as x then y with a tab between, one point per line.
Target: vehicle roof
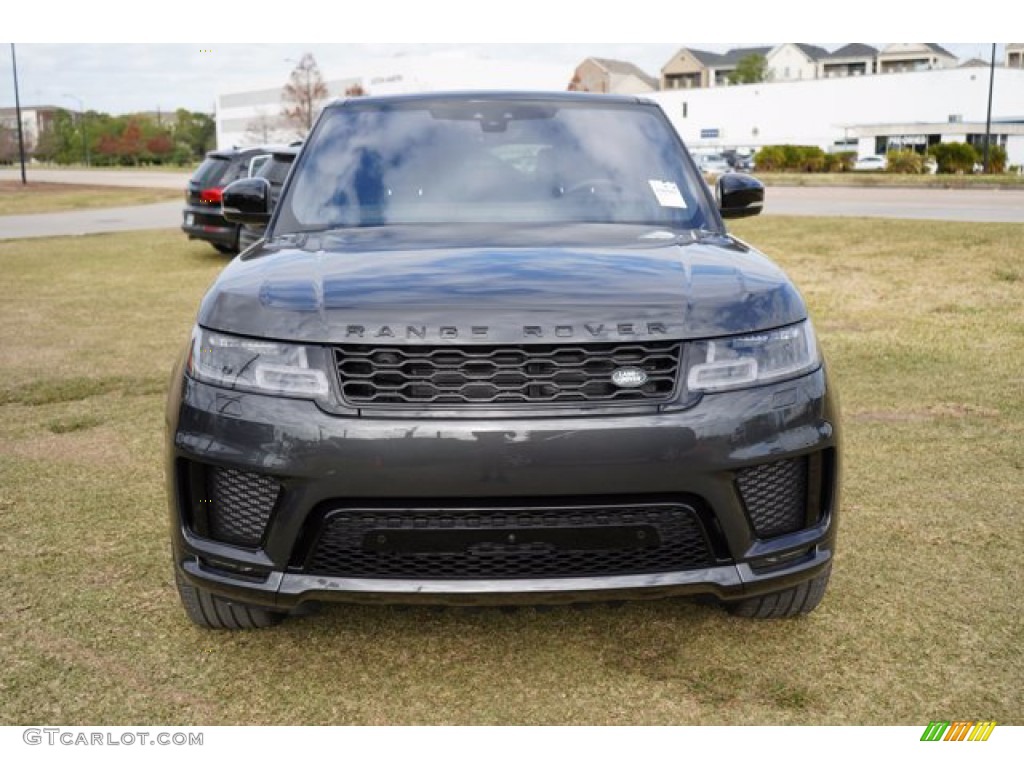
233	152
288	153
553	96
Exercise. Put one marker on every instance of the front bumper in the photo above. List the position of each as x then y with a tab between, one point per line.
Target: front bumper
324	461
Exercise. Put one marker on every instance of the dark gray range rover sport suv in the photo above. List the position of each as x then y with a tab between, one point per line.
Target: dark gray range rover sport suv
499	348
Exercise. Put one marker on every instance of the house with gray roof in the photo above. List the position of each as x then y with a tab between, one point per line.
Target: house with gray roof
914	57
1015	55
851	60
597	75
693	68
795	61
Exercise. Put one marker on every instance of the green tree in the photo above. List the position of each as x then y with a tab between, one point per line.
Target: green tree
195	130
8	144
60	142
750	69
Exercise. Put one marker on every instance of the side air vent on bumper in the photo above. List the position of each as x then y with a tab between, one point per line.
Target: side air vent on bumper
775	496
231	505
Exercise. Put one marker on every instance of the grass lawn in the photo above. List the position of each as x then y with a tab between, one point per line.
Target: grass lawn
43	197
923	326
879	179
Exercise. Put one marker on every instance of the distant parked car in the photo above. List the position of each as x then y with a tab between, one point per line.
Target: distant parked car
712	164
274	170
739	162
870	163
202	218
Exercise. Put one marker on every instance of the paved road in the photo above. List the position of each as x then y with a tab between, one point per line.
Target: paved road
1005	205
947	204
92	221
126	178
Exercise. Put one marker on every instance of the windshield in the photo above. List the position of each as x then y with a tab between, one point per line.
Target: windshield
499	160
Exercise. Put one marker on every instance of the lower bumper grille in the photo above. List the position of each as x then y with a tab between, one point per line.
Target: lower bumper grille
506	543
775	496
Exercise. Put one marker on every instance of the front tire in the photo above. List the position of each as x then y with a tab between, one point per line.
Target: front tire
786	603
208	611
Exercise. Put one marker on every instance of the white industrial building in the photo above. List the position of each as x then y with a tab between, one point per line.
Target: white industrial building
866	114
254	116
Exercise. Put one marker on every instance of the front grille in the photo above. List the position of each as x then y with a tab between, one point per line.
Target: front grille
498	375
509	543
241	505
775	496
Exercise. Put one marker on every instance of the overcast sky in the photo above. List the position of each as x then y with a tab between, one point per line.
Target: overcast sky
121	78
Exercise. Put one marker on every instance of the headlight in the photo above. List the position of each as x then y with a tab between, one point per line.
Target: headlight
757	358
258	366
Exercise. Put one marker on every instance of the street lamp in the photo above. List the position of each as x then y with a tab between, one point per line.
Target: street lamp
83	125
17	110
988	116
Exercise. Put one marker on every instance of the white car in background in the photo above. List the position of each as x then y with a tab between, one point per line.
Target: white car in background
712	164
870	163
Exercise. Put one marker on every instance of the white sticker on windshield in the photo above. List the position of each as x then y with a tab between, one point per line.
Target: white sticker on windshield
668	193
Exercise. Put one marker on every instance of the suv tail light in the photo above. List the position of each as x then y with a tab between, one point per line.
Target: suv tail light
211	195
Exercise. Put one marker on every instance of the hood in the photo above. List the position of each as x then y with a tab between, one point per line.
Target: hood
415	285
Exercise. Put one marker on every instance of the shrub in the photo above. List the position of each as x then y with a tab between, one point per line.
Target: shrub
904	161
954	157
812	159
791	157
770	158
836	163
996	158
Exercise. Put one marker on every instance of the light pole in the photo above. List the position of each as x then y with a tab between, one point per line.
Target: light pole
17	111
988	117
83	125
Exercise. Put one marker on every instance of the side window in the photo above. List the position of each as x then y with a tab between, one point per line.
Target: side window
256	163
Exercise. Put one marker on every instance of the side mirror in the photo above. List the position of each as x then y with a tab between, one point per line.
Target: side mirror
247	201
738	195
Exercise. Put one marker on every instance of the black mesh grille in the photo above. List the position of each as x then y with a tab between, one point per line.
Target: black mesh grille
775	496
485	375
242	503
509	543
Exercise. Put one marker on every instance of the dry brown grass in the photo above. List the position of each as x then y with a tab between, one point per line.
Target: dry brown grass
922	622
42	197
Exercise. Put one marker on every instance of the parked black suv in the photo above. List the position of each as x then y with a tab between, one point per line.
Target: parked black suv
202	218
496	348
275	171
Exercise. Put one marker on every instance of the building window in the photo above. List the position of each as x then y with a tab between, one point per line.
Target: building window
685	110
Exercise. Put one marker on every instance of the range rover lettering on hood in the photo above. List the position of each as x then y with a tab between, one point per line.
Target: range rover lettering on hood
565	331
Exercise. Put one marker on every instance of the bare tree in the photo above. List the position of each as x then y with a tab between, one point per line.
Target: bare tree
260	128
303	94
356	89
